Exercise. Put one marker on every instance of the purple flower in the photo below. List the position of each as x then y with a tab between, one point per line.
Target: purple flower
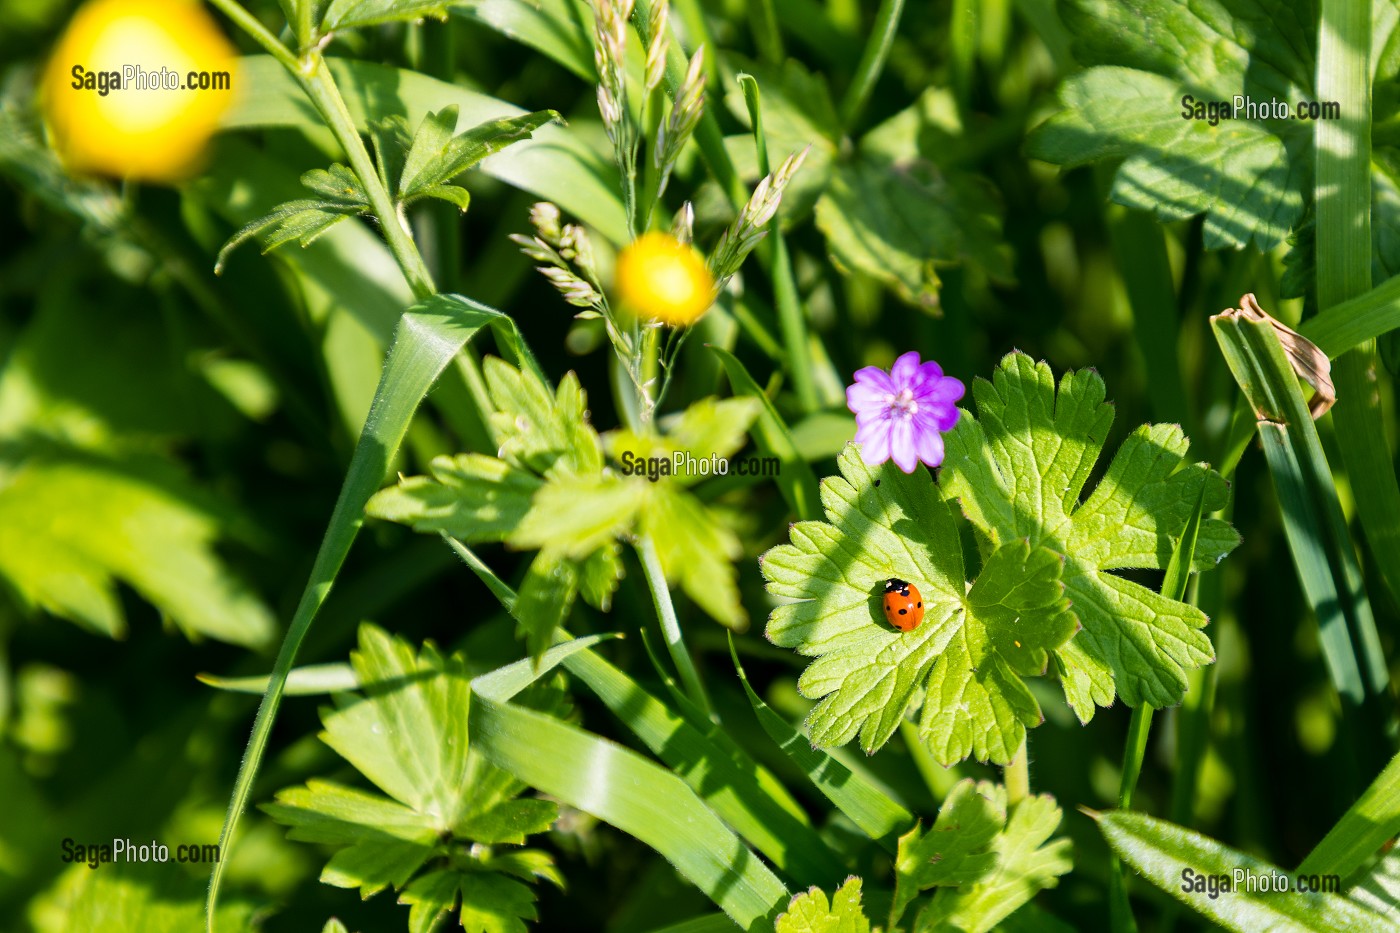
900	414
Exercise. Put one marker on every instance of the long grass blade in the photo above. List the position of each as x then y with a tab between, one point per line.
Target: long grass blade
428	336
874	812
1171	857
1344	270
1174	584
635	795
1372	821
1316	529
745	795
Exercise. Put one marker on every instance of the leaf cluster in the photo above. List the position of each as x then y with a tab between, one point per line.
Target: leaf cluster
437	835
411	168
1045	599
550	490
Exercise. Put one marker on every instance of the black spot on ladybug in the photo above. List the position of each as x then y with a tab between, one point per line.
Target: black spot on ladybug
904	612
921	604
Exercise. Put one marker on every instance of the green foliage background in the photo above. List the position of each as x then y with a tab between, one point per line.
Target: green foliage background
172	443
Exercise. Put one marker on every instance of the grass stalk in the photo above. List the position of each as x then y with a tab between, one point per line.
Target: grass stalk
1344	250
670	625
872	60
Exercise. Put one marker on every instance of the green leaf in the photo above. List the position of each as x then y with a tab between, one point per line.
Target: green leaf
302	220
156	535
1176	860
430	897
472	497
1025	865
509	821
898	222
437	156
351	14
968	653
504	683
546	598
493	903
1379	890
380	843
126	898
555	164
809	912
957	848
579	515
1314	524
407	733
1247	176
555	28
1018	471
867	806
537	429
635	795
695	549
311	680
338	185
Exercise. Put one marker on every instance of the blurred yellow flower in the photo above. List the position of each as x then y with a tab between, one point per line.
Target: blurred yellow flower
135	88
660	278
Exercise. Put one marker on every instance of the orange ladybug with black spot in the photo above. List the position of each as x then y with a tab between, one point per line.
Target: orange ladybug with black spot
903	605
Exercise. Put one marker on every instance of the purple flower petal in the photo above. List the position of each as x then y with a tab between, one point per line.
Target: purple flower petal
866	399
905	370
875	376
931	448
900	413
875	444
904	444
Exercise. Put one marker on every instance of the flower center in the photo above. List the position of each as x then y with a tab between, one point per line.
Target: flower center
902	404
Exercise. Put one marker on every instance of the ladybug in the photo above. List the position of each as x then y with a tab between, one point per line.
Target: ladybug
904	605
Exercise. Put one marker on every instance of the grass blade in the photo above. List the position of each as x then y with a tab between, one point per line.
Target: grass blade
1344	270
873	811
1162	852
1362	830
1356	320
743	794
312	680
1316	529
1174	584
428	336
795	480
638	797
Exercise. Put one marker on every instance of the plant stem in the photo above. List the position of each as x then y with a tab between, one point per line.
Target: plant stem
315	77
670	626
322	88
872	60
1017	776
1133	751
258	32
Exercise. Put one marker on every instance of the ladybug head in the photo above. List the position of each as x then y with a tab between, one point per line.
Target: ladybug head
895	585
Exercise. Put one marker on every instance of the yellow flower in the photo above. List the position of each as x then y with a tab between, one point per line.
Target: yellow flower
663	279
103	95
